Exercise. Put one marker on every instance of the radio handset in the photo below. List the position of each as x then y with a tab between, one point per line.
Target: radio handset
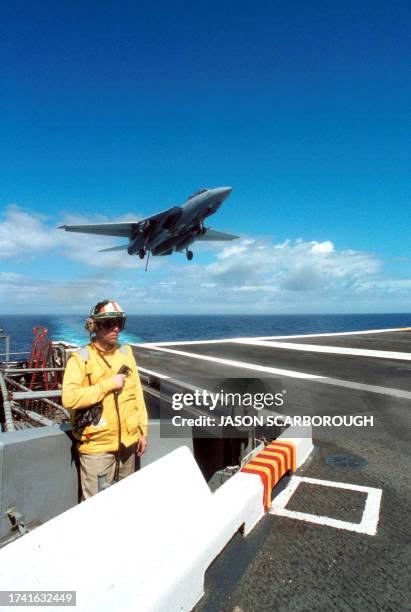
125	371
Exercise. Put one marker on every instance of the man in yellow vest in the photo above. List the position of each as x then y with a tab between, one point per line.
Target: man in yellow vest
102	390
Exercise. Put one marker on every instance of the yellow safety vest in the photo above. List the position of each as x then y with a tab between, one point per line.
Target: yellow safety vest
77	393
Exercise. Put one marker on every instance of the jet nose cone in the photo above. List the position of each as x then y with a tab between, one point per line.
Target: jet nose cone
225	191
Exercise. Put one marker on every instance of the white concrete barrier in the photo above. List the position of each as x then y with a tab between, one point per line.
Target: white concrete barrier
302	438
143	544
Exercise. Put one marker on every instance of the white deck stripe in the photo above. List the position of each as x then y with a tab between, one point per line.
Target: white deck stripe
370	516
152	373
337	382
338	350
350	333
182	342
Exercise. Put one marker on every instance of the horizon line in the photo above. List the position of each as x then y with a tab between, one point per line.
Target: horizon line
216	314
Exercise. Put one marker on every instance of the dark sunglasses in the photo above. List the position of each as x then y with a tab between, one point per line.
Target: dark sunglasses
114	322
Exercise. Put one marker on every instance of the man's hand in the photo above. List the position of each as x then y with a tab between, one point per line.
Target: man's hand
141	446
119	381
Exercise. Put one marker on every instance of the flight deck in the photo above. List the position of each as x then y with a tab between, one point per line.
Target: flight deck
315	549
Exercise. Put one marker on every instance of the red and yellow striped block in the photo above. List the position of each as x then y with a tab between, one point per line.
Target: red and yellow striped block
271	464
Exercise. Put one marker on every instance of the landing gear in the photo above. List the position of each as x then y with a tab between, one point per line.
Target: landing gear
142	253
189	255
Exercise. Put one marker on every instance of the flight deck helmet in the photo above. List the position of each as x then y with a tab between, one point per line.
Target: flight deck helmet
107	313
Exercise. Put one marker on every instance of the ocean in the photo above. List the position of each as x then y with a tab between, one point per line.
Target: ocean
150	328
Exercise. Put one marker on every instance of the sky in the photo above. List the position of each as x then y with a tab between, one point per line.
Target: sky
117	110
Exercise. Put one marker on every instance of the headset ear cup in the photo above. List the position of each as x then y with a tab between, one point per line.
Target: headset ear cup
90	325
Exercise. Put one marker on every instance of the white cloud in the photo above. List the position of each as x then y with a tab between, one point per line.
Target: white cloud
295	266
236	249
6	277
23	294
249	275
258	276
23	233
322	247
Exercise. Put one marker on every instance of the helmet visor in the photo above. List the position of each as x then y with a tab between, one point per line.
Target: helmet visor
112	323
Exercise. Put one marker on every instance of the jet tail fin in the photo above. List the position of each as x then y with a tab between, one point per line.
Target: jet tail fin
121	247
211	234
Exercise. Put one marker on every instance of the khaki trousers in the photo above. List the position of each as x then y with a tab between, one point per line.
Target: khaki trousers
91	466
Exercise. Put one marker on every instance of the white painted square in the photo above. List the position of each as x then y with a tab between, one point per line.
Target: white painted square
370	516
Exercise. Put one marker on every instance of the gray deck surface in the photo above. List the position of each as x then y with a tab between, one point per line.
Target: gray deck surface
376	371
389	341
291	564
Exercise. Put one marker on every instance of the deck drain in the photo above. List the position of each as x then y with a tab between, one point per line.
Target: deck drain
346	460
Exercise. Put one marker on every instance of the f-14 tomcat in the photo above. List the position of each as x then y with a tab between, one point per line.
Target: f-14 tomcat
174	229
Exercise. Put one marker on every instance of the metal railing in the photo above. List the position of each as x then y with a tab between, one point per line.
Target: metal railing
6	340
7	406
36	408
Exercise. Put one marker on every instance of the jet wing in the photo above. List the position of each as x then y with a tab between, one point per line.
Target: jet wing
121	247
125	229
211	234
103	229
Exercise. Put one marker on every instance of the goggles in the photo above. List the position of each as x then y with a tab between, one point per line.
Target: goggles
112	322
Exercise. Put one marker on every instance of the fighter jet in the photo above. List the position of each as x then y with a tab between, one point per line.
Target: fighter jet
174	229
